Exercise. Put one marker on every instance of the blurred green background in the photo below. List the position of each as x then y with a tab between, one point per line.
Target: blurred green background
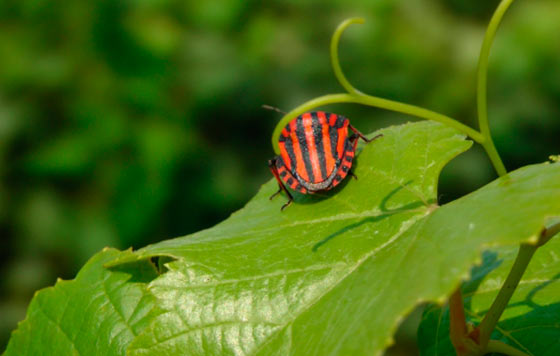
123	123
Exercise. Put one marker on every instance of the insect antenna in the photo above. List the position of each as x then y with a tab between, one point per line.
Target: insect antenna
273	108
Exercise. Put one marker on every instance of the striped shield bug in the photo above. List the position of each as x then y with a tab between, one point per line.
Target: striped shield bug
316	153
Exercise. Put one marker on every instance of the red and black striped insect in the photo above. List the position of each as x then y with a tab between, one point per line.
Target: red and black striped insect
316	153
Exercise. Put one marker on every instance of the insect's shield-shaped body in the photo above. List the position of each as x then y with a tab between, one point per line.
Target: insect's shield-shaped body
316	153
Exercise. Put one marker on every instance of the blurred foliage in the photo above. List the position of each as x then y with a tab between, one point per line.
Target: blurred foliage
126	122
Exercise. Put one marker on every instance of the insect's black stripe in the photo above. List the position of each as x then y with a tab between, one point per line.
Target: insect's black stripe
288	128
348	158
290	181
304	149
345	169
340	121
283	174
333	133
318	136
288	144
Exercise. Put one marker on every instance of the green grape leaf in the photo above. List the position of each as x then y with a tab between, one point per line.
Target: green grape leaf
313	281
334	273
267	282
98	313
531	320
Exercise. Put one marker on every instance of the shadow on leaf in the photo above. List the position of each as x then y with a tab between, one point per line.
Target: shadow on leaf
387	212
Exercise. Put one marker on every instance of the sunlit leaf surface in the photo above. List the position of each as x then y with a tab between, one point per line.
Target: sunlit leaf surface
98	313
332	274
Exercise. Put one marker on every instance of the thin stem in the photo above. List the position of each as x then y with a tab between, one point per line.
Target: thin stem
494	156
524	255
457	322
503	348
491	318
374	102
482	72
334	54
526	251
482	80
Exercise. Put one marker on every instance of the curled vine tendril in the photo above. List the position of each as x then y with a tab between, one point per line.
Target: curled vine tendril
334	54
481	90
355	96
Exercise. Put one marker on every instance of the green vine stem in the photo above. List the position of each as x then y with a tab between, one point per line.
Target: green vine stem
375	102
524	255
357	97
491	318
482	80
526	251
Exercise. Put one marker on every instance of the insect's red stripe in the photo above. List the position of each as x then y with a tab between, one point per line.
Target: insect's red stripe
307	121
284	153
342	134
300	165
291	154
304	150
332	120
329	159
294	185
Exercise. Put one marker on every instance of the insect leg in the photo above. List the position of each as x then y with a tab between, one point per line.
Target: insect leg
362	136
353	143
275	194
281	187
